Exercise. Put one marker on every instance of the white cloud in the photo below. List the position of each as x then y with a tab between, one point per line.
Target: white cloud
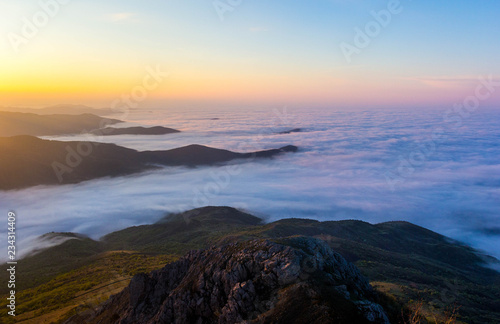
337	174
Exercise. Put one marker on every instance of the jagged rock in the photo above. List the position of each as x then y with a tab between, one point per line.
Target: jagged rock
295	280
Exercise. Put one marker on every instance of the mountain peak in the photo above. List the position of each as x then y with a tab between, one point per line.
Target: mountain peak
295	280
212	215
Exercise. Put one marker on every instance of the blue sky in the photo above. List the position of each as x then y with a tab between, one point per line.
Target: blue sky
262	52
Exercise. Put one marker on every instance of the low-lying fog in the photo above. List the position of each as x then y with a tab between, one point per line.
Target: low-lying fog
440	172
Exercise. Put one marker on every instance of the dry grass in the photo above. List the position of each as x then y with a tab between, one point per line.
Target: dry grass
417	315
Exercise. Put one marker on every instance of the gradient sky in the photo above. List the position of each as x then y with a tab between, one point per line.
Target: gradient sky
262	53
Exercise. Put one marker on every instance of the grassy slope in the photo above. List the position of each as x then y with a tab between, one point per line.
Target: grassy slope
181	233
83	287
407	262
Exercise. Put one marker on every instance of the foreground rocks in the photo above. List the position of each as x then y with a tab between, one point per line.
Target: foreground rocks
292	280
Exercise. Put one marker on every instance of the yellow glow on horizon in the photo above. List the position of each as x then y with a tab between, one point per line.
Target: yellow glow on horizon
90	82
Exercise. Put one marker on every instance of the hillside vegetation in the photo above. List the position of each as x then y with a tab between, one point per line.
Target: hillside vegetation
411	266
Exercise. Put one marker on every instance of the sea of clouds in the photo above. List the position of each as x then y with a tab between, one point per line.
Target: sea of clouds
424	166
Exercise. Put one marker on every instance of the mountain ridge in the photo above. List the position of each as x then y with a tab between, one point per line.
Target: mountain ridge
29	161
17	123
425	267
137	130
65	109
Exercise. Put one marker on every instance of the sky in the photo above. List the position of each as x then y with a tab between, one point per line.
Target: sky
323	53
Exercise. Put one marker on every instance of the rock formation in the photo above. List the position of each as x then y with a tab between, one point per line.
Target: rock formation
293	280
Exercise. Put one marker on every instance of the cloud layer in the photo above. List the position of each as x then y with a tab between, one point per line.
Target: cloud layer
340	172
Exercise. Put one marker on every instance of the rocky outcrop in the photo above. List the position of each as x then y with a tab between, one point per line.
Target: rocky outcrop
293	280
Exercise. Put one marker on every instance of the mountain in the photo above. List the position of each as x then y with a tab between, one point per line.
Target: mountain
180	233
295	130
29	161
65	109
15	123
298	280
193	155
157	130
413	270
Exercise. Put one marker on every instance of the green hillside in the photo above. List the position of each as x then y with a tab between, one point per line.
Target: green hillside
410	265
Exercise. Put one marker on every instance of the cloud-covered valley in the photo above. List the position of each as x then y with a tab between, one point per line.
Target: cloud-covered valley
367	165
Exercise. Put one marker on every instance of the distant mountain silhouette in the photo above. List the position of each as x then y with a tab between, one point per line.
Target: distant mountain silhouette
157	130
295	130
14	123
193	155
29	161
65	109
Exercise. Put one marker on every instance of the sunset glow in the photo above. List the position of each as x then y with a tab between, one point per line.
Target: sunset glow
259	53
